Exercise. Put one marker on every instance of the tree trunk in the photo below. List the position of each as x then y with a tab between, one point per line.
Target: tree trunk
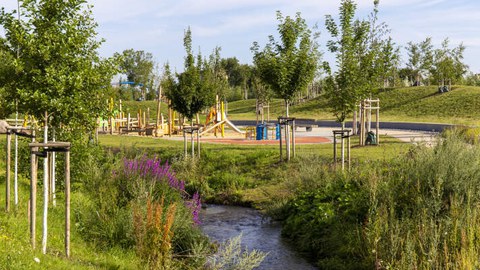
287	103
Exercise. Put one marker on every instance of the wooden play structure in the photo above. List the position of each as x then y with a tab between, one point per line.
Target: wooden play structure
362	122
120	122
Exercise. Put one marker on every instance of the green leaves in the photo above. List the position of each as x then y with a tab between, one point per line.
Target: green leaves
194	88
58	68
357	45
288	65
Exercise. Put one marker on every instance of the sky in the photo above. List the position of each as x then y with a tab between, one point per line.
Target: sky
157	26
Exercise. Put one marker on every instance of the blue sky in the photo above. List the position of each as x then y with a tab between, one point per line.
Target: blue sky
158	26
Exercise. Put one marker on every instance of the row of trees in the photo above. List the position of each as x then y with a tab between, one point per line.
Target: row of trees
50	68
51	62
435	65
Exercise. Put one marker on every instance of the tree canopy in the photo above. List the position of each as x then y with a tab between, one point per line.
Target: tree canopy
357	45
58	69
288	65
192	90
138	66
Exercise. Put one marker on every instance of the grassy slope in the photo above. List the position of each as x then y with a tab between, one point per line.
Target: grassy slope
410	104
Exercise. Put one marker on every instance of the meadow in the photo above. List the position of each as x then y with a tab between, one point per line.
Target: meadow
400	206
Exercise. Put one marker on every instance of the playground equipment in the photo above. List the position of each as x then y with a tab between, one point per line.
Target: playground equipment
342	134
288	124
217	114
365	121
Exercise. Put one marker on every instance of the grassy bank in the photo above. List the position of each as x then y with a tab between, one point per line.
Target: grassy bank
407	104
399	207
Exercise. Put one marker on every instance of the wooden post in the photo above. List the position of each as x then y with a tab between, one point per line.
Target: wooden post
157	124
45	190
198	142
128	122
185	142
293	136
67	203
33	194
354	124
281	146
15	172
348	150
192	141
53	173
378	122
334	149
15	176
287	139
7	173
343	147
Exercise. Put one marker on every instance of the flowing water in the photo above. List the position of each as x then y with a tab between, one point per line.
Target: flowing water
221	222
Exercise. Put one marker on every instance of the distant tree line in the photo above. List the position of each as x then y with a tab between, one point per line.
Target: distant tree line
38	52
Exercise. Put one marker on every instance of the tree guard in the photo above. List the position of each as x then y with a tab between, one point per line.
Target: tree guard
288	123
341	134
34	155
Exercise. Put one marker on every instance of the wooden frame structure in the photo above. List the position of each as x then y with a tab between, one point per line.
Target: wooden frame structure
34	156
17	131
342	134
191	130
288	123
365	117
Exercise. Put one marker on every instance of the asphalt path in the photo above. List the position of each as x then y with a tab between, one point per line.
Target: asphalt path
426	127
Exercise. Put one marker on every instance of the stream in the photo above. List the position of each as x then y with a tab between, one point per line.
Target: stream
221	222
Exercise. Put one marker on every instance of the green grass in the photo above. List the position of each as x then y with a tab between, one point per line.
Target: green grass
16	251
246	174
405	104
409	104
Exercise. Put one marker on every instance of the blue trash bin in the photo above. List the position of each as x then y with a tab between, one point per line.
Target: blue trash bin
260	132
277	132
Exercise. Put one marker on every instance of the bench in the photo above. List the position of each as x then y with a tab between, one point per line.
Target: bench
308	127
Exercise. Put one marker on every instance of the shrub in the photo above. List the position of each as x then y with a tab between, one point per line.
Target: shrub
145	188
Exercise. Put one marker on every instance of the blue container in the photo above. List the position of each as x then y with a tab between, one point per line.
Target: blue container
260	132
277	132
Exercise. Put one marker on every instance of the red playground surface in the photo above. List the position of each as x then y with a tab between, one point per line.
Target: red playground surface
298	140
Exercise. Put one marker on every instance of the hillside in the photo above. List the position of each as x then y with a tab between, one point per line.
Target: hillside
412	104
408	104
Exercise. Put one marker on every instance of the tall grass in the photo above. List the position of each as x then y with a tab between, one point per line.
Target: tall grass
419	211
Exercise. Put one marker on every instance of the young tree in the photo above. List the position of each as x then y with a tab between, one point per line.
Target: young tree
420	59
288	66
192	90
447	64
356	50
389	61
58	69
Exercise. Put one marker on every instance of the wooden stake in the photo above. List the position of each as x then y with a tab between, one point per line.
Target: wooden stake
157	125
281	146
45	190
7	173
33	194
67	203
293	137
